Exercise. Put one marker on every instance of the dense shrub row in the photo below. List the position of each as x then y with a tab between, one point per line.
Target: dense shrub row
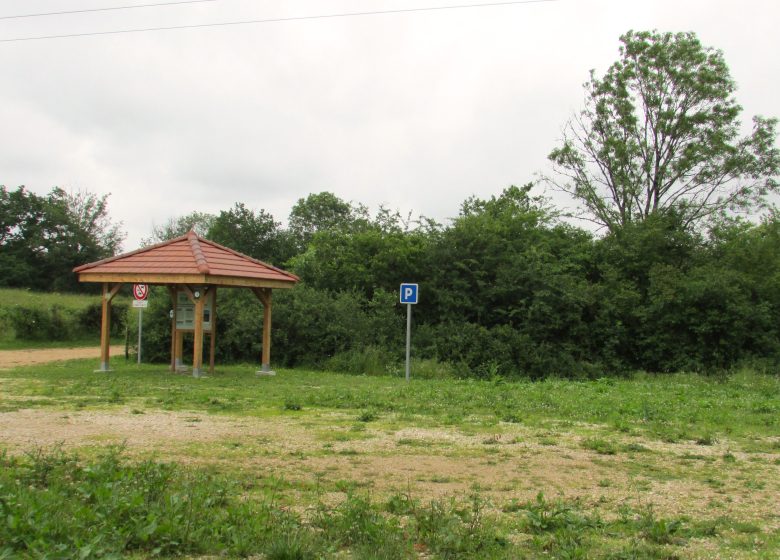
509	290
57	322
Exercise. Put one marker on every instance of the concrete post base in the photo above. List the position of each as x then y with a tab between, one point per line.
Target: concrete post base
265	369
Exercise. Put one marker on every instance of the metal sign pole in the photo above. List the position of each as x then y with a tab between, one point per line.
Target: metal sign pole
408	337
140	329
140	297
408	296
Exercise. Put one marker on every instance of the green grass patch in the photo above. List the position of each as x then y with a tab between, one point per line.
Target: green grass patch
600	446
103	504
55	505
691	404
27	298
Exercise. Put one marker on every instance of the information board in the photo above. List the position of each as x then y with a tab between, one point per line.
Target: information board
185	312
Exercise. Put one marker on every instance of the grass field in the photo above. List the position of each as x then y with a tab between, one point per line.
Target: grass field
322	465
28	298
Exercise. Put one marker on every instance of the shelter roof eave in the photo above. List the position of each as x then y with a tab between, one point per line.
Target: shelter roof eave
190	279
188	259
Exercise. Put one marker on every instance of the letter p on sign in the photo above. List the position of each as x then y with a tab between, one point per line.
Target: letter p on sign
409	293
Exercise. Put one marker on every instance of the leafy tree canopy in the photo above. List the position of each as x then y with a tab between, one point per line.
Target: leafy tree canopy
44	237
659	133
254	233
200	222
321	212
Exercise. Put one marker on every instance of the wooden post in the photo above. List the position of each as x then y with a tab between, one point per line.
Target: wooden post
105	325
105	330
264	295
179	359
266	365
197	351
213	341
172	292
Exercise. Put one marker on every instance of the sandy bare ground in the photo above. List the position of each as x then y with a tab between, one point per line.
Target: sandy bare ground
513	464
427	462
15	358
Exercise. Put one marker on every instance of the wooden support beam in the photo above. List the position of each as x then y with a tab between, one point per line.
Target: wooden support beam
179	356
264	295
190	294
114	291
172	293
105	324
197	352
213	339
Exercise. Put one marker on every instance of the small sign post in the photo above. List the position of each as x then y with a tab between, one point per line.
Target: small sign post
409	293
140	300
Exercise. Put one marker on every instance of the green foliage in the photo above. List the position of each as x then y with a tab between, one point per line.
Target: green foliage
660	407
321	212
544	516
507	289
659	134
451	529
369	360
39	317
42	238
342	330
54	505
369	255
200	222
253	233
37	324
102	505
600	446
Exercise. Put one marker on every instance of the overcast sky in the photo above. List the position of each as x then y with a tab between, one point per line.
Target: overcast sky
416	111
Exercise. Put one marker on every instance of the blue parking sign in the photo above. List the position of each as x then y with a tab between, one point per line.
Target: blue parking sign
409	293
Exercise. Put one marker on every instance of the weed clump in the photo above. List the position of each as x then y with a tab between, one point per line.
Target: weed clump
600	446
367	416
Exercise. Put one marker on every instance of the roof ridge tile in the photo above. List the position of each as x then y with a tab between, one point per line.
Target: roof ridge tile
197	252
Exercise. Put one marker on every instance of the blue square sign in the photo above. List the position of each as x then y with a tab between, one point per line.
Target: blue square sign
409	293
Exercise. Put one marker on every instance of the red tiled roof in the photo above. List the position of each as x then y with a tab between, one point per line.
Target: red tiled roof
187	255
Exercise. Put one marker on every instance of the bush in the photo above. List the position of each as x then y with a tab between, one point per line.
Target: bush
89	319
369	360
311	327
53	323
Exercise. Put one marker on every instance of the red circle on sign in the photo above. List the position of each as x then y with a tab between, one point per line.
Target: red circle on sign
140	291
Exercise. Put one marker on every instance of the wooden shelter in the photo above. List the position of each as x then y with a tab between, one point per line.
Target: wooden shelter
192	268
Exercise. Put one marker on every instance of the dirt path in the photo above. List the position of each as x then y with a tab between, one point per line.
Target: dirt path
14	358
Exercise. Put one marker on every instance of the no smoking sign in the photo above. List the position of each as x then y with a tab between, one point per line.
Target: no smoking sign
140	295
140	291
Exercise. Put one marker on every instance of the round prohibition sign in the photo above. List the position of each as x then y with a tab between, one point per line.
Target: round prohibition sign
140	291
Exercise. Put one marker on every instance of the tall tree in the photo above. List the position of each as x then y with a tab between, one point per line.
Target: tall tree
659	133
77	230
254	233
365	253
21	214
320	212
200	222
44	237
